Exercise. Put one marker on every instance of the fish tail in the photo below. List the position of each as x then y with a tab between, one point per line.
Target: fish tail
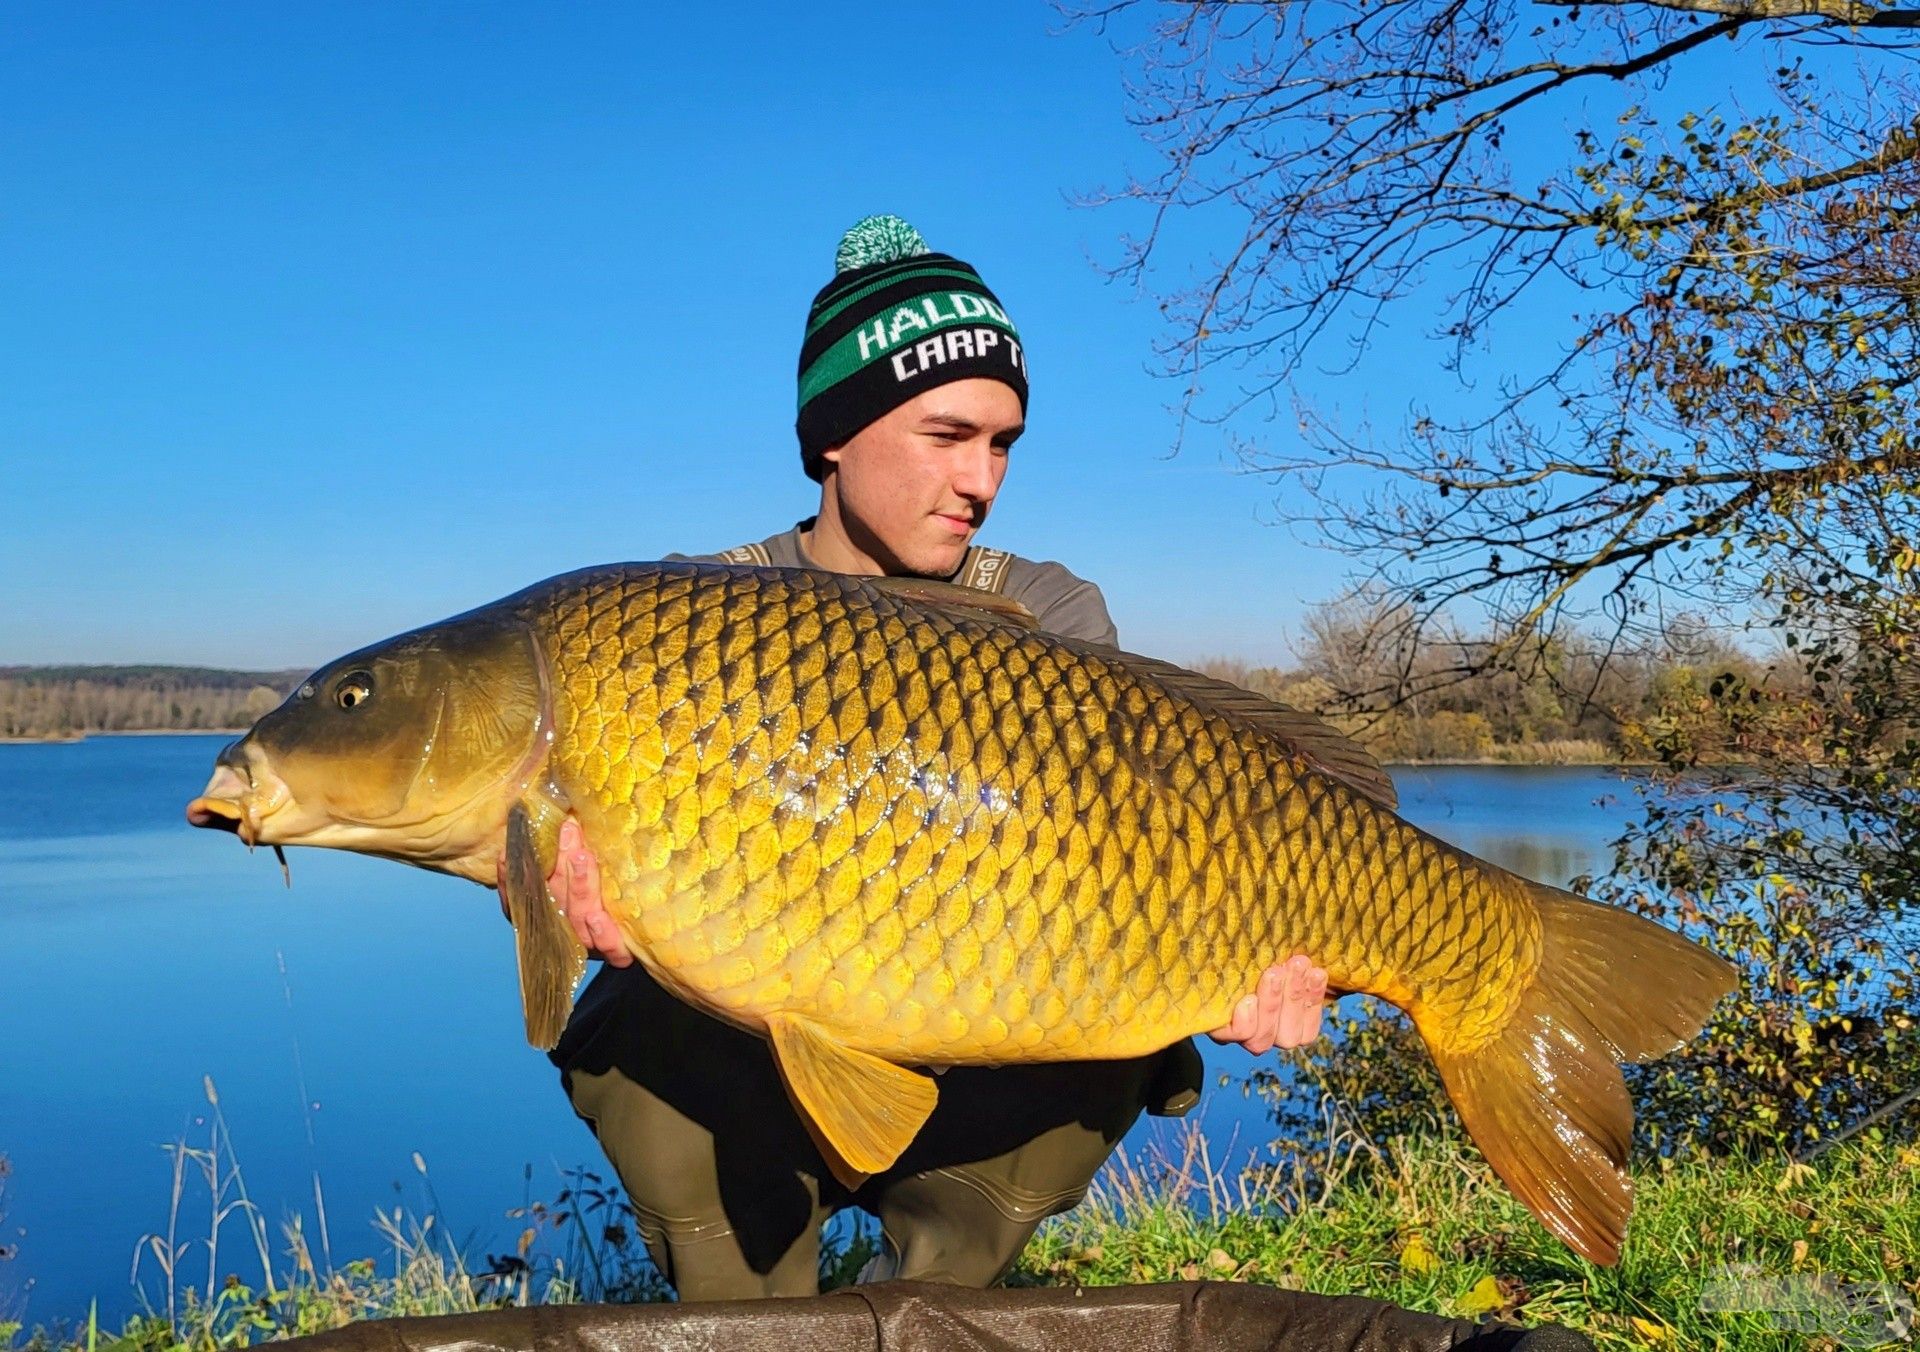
1543	1097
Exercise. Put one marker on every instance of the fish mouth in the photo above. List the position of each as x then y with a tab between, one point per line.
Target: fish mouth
220	814
239	798
222	806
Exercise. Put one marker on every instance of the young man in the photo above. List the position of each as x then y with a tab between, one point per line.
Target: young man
913	388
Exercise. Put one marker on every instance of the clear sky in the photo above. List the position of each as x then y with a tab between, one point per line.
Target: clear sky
321	321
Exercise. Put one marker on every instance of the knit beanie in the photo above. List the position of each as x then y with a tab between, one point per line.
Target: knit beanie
896	319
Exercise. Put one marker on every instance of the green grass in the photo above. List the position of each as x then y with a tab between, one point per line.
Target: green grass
1424	1226
1429	1228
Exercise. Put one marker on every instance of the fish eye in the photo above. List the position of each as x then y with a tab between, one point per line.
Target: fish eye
354	689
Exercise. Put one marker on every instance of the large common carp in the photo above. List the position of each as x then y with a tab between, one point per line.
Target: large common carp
888	824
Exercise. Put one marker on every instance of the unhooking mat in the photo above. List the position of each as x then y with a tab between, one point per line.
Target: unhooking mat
922	1317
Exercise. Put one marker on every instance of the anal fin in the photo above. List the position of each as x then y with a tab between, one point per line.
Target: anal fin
864	1111
551	957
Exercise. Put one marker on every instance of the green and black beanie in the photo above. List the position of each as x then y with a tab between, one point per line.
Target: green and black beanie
896	319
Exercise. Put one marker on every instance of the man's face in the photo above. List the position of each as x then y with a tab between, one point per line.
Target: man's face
913	487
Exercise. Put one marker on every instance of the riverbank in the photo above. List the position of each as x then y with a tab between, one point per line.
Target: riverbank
1762	1254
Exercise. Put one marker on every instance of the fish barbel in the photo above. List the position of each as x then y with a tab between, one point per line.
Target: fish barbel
887	823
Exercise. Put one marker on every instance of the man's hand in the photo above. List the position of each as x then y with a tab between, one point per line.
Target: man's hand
1283	1011
575	885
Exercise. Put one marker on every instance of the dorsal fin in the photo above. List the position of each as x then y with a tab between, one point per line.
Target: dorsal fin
967	602
1332	751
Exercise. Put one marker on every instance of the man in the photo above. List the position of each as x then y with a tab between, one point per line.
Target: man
913	389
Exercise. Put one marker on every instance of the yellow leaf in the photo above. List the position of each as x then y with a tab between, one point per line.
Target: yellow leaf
1485	1298
1792	1174
1651	1329
1221	1261
1417	1257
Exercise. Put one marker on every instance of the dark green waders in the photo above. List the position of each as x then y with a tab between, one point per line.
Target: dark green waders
731	1191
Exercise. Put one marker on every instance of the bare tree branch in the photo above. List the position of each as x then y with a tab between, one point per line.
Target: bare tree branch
1852	13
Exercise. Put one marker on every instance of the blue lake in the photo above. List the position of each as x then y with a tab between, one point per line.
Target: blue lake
368	1015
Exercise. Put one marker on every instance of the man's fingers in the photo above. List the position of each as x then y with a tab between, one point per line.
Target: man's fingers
608	942
1270	996
583	872
586	909
575	887
1306	997
582	904
1284	1010
558	882
1241	1026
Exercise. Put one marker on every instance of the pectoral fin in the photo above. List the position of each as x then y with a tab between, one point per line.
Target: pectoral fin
551	958
864	1111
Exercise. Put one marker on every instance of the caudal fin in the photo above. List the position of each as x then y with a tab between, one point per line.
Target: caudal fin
1544	1099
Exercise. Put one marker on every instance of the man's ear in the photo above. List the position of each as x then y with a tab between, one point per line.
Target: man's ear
831	455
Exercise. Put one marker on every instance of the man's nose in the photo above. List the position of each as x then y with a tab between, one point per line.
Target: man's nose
973	472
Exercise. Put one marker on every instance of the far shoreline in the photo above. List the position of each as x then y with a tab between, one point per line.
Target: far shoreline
70	739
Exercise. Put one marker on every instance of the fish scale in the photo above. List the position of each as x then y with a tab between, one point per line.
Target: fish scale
888	823
971	842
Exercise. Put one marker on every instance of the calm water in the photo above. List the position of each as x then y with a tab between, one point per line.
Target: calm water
367	1014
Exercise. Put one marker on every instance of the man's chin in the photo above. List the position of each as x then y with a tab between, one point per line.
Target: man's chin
936	565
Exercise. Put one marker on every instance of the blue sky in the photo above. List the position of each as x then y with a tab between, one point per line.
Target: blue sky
318	322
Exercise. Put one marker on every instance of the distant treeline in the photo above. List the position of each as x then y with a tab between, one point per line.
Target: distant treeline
1686	694
54	702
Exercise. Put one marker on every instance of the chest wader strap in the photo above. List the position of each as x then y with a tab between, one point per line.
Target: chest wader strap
985	569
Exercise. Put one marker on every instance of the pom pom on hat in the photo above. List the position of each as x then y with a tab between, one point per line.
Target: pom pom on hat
877	239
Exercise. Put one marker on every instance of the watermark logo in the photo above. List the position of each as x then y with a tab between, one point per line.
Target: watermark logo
1853	1314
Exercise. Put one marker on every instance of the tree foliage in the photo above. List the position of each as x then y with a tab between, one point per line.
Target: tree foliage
1668	247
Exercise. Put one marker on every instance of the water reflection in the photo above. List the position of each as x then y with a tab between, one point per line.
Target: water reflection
1546	861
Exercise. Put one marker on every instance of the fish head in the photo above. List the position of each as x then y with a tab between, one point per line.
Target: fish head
413	749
